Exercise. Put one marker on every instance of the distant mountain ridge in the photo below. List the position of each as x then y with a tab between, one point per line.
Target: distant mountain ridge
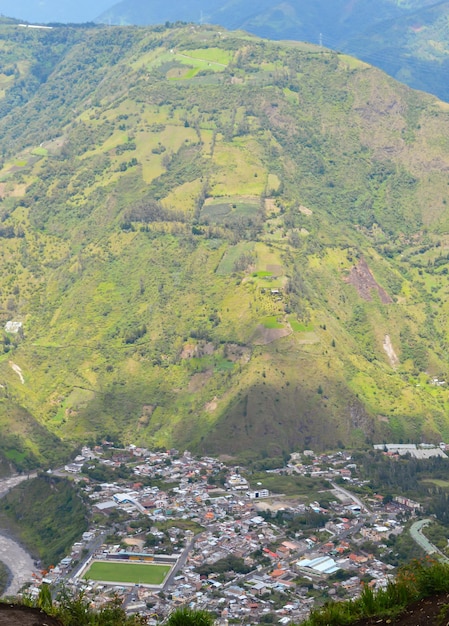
342	18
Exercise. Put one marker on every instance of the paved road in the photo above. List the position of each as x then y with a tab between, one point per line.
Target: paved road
421	540
16	559
180	563
91	548
353	497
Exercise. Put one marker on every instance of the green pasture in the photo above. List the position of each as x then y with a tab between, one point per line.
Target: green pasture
199	64
306	488
218	211
39	151
240	170
442	484
183	524
226	265
143	573
183	74
272	322
299	327
214	55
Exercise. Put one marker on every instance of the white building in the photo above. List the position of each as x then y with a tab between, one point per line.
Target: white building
260	493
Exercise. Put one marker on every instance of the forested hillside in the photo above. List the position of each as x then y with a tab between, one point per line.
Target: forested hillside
46	514
217	242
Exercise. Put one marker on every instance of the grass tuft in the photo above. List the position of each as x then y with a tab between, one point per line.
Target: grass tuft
417	580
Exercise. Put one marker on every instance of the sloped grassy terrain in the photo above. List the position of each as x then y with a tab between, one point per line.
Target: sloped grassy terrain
217	242
407	39
417	597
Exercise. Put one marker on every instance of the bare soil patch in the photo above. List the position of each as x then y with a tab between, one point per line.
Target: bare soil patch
264	335
210	407
270	206
54	144
134	541
16	615
15	191
276	270
276	504
388	347
235	353
204	348
147	412
188	351
199	380
433	611
364	281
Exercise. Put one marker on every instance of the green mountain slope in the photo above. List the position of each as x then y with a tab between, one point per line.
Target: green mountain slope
408	40
217	242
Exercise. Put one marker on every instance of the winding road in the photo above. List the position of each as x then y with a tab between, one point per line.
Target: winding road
421	540
17	560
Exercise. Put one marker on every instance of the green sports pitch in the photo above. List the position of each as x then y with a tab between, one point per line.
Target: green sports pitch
137	573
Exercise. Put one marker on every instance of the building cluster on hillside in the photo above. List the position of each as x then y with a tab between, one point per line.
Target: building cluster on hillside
203	513
420	451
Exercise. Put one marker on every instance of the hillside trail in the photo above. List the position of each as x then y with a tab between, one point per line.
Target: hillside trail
18	561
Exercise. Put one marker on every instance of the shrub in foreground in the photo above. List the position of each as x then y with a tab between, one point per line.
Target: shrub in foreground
419	579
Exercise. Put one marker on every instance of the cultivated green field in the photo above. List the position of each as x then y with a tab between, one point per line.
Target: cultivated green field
143	573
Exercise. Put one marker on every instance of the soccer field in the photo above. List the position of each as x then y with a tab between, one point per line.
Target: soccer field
138	573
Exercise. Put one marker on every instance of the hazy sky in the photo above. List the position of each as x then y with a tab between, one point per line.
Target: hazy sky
54	10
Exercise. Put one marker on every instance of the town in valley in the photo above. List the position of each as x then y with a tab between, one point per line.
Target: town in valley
255	546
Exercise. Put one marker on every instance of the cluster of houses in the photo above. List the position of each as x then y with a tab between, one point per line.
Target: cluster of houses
203	512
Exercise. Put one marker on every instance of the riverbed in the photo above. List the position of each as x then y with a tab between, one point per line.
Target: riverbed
18	561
